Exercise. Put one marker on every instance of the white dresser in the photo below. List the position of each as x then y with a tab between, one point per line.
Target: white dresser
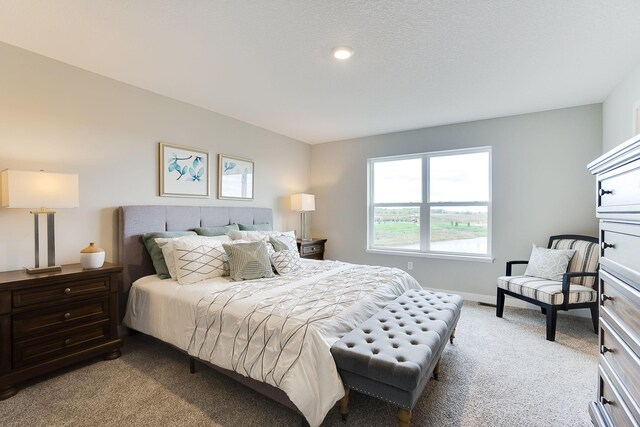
618	208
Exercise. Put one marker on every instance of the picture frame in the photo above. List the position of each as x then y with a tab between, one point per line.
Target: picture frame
235	178
184	171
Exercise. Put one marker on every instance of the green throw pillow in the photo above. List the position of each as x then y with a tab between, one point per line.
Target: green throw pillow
216	231
156	253
248	260
256	227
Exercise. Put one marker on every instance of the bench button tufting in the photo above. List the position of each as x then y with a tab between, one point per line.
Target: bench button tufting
375	351
400	359
395	345
350	345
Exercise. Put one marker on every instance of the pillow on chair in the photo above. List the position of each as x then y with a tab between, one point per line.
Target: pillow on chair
549	263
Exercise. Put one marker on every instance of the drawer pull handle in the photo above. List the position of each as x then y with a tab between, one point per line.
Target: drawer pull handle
606	245
605	297
67	315
67	341
606	401
604	350
67	291
603	191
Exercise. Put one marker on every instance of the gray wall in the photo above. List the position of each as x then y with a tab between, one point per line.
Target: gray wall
617	111
62	119
541	187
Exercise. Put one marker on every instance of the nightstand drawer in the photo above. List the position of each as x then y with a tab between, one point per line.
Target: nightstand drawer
33	350
60	317
59	291
312	249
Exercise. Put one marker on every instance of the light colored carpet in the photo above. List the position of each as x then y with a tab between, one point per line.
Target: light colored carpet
499	372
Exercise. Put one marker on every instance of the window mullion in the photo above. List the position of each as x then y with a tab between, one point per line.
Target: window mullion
425	224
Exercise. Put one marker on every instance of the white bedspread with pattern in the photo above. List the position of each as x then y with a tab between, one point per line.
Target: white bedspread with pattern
277	330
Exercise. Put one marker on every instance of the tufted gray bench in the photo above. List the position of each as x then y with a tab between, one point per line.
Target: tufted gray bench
392	355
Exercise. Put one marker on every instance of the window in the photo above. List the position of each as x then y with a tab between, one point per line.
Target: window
437	204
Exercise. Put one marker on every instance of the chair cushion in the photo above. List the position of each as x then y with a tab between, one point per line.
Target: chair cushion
545	290
584	260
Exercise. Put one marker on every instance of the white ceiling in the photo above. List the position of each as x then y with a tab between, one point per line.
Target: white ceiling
416	64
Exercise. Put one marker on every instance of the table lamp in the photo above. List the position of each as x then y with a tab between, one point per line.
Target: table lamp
40	192
303	203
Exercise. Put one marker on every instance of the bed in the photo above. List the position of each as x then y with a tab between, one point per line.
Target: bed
272	334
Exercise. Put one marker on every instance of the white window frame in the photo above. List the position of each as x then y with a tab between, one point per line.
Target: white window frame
425	208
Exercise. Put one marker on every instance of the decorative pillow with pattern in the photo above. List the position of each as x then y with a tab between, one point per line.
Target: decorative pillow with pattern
287	261
166	245
283	243
549	263
196	260
248	260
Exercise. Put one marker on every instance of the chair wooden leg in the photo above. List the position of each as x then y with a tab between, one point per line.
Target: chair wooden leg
344	404
500	302
404	417
594	317
552	317
543	310
436	370
192	365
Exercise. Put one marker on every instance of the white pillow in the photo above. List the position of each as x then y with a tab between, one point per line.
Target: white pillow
287	261
166	244
196	261
549	263
259	235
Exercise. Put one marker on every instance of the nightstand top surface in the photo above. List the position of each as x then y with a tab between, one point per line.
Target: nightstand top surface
18	276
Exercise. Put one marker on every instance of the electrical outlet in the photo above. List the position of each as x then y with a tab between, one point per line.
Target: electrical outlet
410	265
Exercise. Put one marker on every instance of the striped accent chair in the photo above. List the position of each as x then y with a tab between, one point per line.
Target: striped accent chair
578	288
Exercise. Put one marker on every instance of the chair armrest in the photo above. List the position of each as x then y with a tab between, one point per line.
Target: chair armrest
566	284
510	263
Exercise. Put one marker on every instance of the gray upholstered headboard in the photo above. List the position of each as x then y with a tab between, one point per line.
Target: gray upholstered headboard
134	221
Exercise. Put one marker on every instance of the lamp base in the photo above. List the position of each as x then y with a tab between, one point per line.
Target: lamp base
36	270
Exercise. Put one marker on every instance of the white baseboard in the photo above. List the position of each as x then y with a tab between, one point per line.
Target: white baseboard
512	302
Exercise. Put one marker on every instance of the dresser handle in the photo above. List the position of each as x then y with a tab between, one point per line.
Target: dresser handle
606	401
67	315
67	341
67	291
606	245
604	349
603	191
605	297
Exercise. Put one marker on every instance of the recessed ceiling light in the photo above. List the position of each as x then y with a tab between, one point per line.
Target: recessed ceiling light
342	52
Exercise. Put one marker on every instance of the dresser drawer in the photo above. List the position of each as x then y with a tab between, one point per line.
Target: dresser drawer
59	291
620	306
312	249
619	189
623	361
33	350
620	248
613	404
51	319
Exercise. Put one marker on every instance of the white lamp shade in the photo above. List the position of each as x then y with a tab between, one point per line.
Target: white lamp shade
303	202
31	190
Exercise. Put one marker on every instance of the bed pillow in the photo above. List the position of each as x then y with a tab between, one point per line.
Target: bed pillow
156	253
255	235
256	227
216	231
196	260
286	261
248	260
166	245
283	243
548	263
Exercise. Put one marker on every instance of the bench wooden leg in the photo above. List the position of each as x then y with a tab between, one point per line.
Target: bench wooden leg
404	417
436	370
344	404
453	335
192	365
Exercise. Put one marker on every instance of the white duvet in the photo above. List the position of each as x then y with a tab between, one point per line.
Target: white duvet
277	330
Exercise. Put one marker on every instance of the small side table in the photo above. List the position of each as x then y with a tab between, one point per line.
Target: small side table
311	249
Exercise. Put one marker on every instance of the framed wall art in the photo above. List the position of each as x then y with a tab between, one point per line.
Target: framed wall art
235	178
184	171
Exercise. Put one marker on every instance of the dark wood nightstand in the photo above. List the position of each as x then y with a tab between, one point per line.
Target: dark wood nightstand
311	249
51	320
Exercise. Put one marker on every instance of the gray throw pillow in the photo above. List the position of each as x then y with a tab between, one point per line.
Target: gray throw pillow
156	253
549	263
283	243
255	227
248	260
216	231
287	261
